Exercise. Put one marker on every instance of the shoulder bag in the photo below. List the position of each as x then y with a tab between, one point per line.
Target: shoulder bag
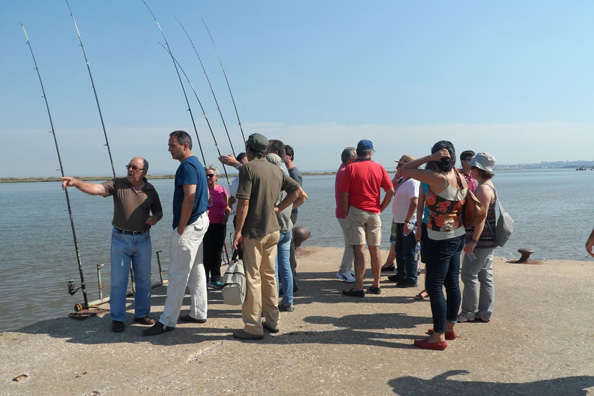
504	226
473	211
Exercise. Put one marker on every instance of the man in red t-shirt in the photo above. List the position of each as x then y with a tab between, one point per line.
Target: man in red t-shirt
346	271
360	193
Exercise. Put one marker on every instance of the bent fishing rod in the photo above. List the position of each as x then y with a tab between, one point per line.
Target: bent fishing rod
203	112
226	79
180	80
210	85
49	114
94	90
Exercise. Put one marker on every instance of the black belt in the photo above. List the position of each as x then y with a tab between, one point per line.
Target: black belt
120	231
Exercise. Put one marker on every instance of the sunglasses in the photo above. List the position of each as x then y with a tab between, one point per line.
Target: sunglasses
210	175
133	167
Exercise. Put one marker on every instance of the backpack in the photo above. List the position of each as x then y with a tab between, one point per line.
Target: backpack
234	287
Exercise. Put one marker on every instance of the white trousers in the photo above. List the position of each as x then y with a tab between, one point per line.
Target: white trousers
186	267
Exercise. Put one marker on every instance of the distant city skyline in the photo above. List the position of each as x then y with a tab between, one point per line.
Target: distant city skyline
510	78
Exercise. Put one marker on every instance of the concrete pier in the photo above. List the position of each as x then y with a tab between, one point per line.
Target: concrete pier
540	341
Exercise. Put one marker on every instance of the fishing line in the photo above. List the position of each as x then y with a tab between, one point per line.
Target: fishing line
226	79
203	112
80	270
210	85
180	80
94	90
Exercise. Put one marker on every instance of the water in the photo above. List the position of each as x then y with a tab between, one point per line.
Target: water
552	210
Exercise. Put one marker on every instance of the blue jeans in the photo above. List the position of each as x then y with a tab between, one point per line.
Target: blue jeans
138	250
406	265
283	267
443	269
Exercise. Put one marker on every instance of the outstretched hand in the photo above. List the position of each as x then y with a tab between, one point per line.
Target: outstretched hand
67	182
228	159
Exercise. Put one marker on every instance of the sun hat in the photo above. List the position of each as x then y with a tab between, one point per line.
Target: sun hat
484	161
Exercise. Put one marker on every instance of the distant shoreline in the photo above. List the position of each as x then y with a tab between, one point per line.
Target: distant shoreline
102	178
312	173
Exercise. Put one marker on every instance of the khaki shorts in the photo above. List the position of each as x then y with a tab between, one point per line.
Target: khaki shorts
362	226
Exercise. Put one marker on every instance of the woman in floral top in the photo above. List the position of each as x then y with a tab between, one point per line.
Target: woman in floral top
445	198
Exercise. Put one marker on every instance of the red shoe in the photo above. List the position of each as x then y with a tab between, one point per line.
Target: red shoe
425	344
449	335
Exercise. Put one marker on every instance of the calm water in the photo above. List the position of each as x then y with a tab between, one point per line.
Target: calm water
552	210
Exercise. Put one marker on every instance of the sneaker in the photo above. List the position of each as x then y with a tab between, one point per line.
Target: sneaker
374	290
189	319
158	328
216	284
395	278
117	326
286	307
353	293
406	283
244	335
145	321
346	276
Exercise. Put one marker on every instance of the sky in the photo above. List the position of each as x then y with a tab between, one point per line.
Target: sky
515	79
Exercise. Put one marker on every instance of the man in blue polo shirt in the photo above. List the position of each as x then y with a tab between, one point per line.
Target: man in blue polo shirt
190	222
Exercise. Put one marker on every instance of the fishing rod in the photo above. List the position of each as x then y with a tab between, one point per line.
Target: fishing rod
203	112
180	80
80	270
226	79
210	85
94	90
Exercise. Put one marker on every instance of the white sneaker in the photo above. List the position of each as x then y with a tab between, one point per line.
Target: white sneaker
346	276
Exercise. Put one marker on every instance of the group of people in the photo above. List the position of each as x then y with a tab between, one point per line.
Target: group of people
265	196
428	224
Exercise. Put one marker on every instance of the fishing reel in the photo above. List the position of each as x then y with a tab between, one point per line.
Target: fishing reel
72	289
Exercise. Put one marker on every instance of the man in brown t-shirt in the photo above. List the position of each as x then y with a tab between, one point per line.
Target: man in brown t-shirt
134	199
257	228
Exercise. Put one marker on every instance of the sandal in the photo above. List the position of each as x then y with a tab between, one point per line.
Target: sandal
423	295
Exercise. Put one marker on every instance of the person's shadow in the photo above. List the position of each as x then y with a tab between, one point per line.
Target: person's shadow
443	385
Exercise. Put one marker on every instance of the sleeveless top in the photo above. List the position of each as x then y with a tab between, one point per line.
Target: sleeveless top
487	239
445	212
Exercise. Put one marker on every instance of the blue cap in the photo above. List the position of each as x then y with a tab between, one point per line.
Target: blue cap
365	145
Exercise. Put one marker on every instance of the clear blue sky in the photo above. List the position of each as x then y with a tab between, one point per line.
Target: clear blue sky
512	78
